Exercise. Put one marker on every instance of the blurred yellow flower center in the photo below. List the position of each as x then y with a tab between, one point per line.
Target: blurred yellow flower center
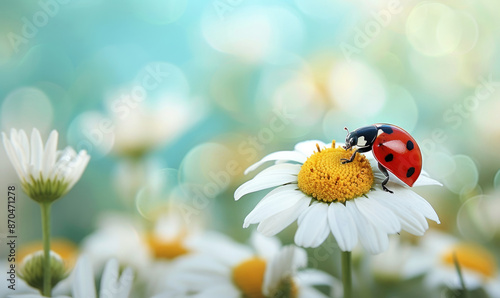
167	248
249	276
326	179
67	250
472	257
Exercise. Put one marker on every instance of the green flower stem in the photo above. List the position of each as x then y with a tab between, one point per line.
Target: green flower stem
460	276
346	274
46	248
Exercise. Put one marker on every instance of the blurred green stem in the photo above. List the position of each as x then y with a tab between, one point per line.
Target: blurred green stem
346	274
46	248
460	276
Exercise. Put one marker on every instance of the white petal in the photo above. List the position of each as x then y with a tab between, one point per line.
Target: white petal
283	168
493	288
276	223
277	200
426	180
109	279
125	283
25	145
36	161
13	157
373	239
111	285
222	249
83	284
263	182
307	148
266	247
281	266
418	203
309	292
342	226
20	146
313	277
313	226
206	265
49	154
377	214
219	291
280	155
411	220
79	168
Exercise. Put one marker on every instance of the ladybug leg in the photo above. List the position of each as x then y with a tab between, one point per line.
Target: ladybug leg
386	174
345	160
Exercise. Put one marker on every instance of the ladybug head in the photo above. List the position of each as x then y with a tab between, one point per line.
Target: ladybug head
351	139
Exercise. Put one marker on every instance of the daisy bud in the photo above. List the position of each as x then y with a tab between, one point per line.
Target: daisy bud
32	269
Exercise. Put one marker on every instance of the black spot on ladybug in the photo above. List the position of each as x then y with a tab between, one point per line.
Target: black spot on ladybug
389	157
387	129
410	172
409	145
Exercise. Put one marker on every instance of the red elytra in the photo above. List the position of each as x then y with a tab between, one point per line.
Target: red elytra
398	152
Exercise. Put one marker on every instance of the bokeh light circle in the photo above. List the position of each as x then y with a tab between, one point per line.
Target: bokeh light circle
357	89
92	131
486	121
465	176
160	82
205	166
477	218
334	122
459	29
440	165
155	196
400	109
26	108
253	33
435	29
296	94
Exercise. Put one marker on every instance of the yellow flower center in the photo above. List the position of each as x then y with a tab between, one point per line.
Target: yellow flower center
249	276
472	257
167	248
67	250
325	178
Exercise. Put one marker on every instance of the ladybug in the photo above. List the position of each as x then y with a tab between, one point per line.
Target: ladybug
394	149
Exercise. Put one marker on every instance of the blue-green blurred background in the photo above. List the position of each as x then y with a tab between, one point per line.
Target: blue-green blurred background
240	79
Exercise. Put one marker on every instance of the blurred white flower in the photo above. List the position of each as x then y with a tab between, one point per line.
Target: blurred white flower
145	128
46	174
114	283
436	260
324	196
229	269
116	237
152	252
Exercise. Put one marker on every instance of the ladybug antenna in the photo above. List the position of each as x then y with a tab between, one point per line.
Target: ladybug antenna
346	129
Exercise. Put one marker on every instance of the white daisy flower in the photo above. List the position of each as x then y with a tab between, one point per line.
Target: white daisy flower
324	196
143	128
46	174
228	269
118	237
114	283
152	252
478	266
